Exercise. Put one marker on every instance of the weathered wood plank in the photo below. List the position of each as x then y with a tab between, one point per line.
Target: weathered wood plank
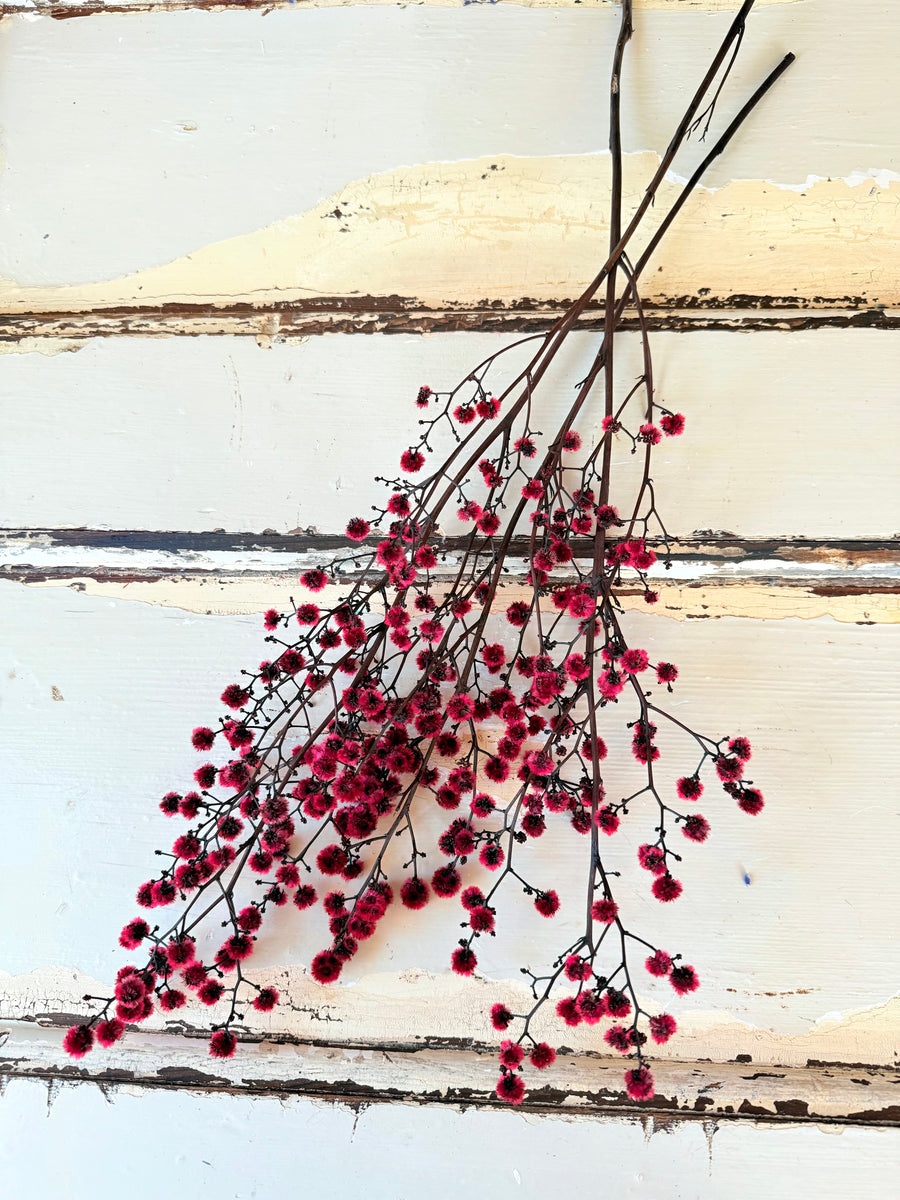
62	10
510	195
581	1086
377	1151
61	331
233	573
194	434
94	736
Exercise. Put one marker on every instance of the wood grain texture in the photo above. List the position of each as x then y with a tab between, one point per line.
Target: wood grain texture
219	573
363	1151
325	198
584	1086
196	434
795	965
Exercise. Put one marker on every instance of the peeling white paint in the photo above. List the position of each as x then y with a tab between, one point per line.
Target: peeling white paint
140	193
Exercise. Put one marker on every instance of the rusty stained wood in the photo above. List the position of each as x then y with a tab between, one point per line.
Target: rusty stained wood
405	315
578	1086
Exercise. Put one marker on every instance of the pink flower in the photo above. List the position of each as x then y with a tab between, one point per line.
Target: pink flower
634	661
358	529
494	657
652	858
414	893
235	696
78	1041
567	1008
547	903
604	911
511	1088
684	979
750	801
639	1083
649	433
202	738
172	999
511	1054
740	748
412	461
445	881
491	856
501	1017
728	769
326	966
592	1007
659	963
696	828
463	960
666	888
210	992
134	933
110	1031
542	1056
266	1000
222	1044
662	1028
672	424
690	787
619	1038
577	968
315	579
666	672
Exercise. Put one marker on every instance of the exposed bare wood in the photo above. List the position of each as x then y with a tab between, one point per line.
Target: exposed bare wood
708	545
583	1085
404	315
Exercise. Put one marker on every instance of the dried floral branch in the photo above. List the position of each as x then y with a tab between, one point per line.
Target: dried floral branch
412	692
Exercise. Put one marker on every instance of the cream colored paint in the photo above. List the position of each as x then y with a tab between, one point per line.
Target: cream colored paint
225	584
169	132
413	1008
500	228
795	964
386	1152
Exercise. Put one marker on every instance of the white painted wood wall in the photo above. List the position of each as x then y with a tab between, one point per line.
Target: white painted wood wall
234	240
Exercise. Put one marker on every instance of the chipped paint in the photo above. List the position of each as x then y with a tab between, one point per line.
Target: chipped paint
502	227
416	1010
62	10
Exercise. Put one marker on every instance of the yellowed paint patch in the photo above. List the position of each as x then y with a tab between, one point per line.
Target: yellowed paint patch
221	595
503	228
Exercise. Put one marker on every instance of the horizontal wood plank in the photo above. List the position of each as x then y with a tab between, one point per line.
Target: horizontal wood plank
93	738
216	433
362	1150
487	184
220	573
583	1086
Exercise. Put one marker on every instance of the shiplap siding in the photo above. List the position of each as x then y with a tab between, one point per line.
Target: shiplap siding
191	193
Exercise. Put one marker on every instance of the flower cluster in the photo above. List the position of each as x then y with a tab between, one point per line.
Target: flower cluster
401	684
